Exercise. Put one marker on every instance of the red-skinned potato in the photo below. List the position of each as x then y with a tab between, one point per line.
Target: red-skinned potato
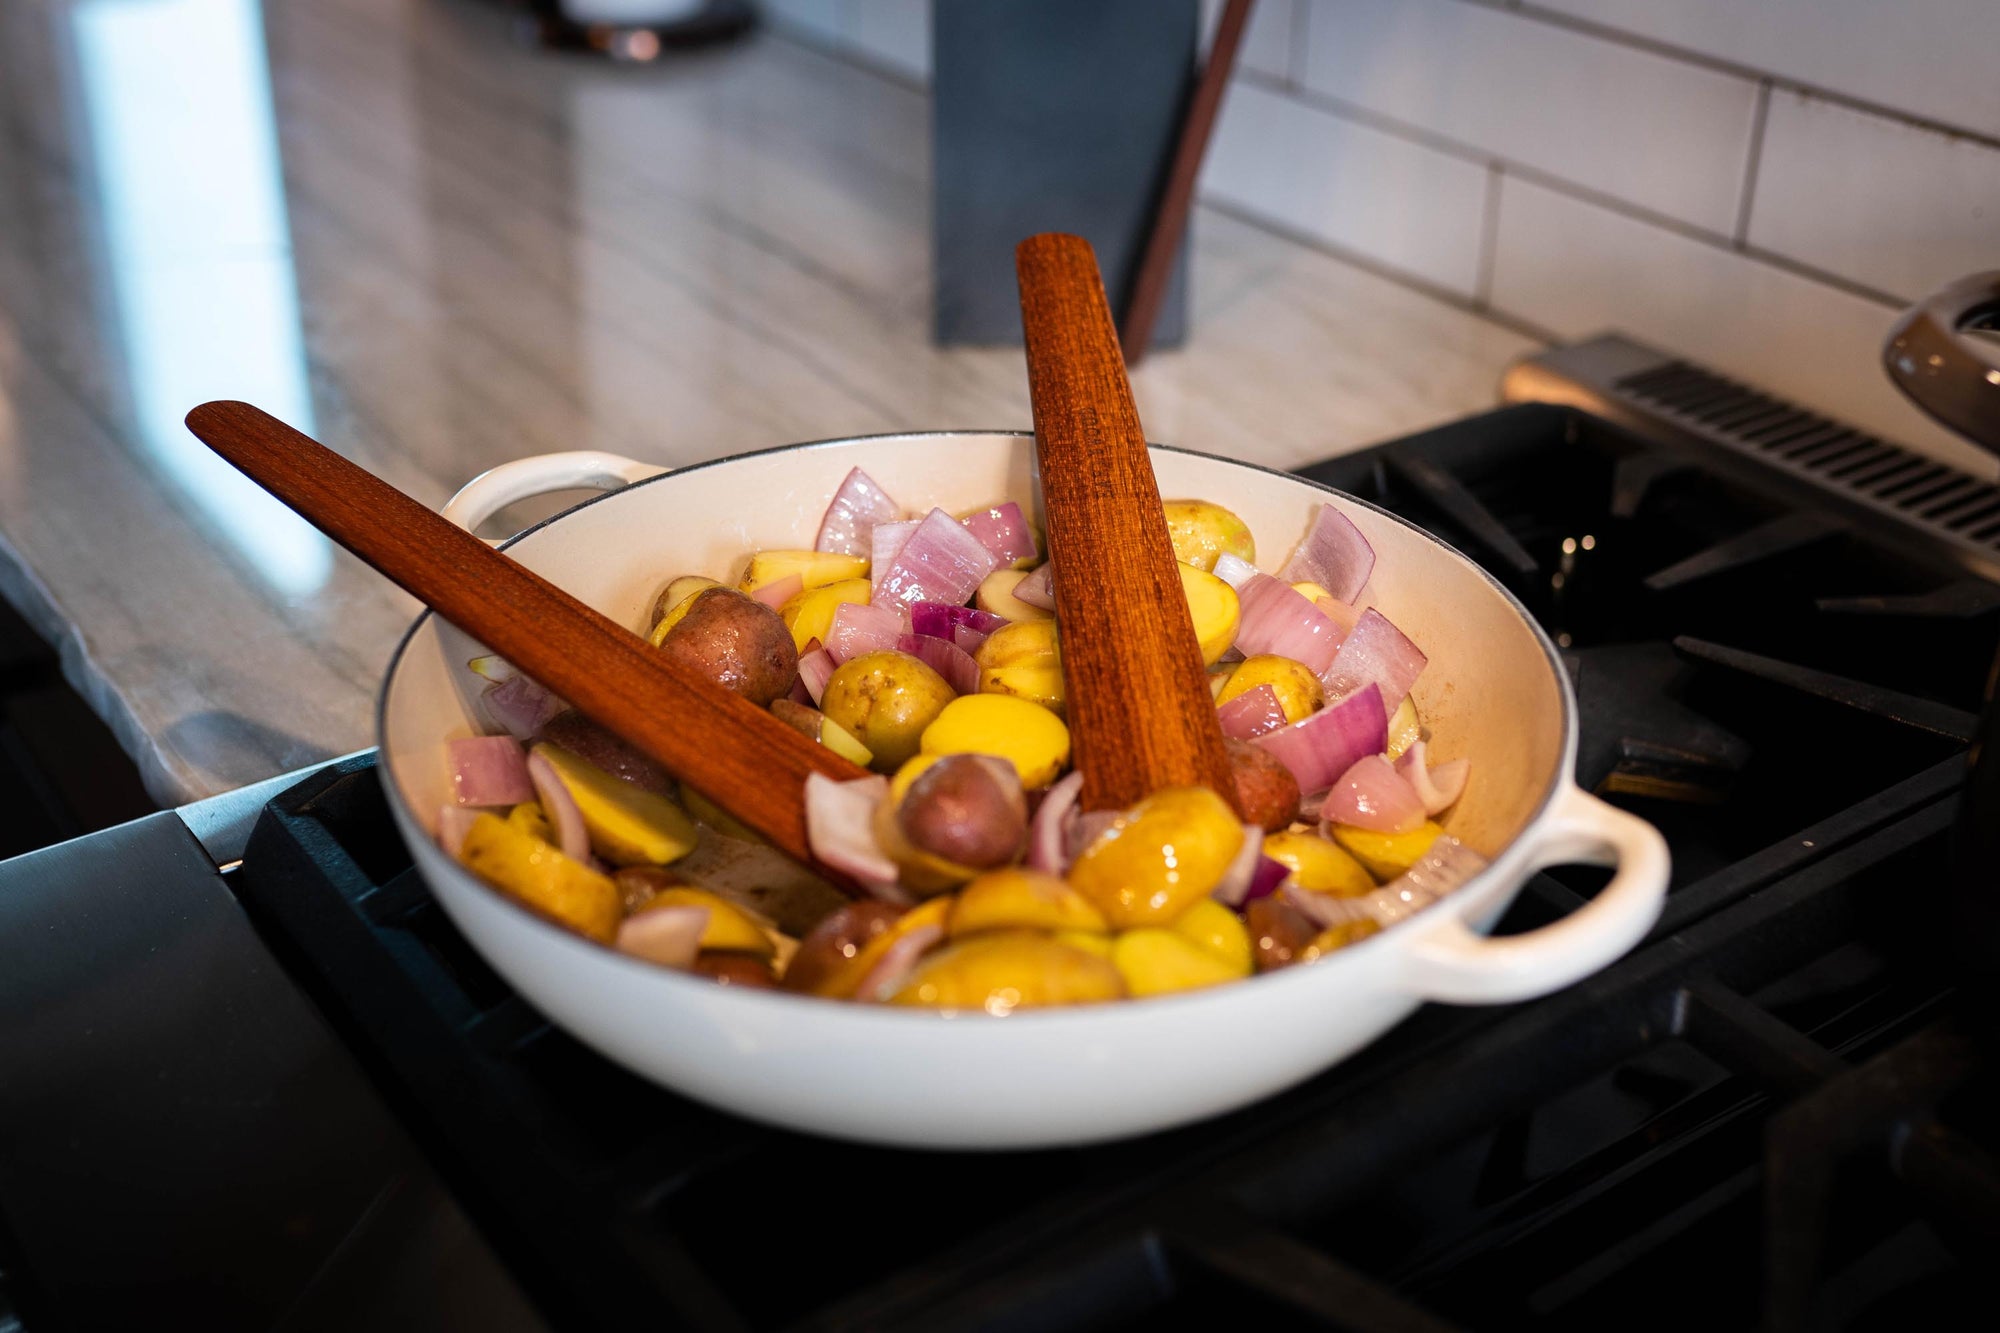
830	948
596	745
734	969
968	809
638	885
1267	794
737	642
1279	932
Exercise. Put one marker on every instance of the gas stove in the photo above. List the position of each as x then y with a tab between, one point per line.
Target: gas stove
1774	1112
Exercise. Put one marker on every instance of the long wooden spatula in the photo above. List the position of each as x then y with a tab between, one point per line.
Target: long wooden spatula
725	747
1140	713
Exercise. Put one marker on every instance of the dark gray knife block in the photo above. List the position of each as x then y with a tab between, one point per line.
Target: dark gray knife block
1052	115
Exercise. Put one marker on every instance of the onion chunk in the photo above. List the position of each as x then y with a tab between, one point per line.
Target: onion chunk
1332	554
858	507
941	561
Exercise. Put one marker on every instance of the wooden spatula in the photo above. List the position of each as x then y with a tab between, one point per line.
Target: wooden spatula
725	747
1140	713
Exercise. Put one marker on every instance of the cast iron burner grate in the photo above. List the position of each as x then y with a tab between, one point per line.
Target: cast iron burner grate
1767	1112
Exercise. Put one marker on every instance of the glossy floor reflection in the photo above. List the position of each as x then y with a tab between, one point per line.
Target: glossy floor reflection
439	250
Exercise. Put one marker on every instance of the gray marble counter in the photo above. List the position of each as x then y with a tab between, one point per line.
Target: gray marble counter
438	250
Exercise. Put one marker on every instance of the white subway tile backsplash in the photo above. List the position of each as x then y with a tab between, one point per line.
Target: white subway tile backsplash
1395	202
1877	201
895	34
1931	58
1576	269
1662	134
1267	46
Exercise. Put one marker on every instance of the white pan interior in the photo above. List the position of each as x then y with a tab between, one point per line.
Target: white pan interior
915	1078
1488	692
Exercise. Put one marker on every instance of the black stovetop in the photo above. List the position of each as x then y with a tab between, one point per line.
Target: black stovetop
1770	1112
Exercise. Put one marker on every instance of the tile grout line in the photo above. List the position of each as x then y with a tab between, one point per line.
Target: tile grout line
1759	118
1489	239
1367	263
1686	56
1533	175
1297	58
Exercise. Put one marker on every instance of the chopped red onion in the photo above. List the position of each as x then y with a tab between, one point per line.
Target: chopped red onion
1234	886
1265	880
1375	653
840	829
861	627
488	770
669	936
1038	589
1325	745
521	707
1332	554
858	507
938	619
1342	614
777	593
815	670
1251	713
941	562
565	819
1438	788
492	666
885	540
1309	805
1234	570
1446	866
454	822
944	657
1003	531
893	968
968	638
1086	828
1278	619
1373	796
1048	849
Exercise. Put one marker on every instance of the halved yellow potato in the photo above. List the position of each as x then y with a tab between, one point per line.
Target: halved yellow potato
537	873
729	926
1387	855
810	614
627	826
1215	609
815	569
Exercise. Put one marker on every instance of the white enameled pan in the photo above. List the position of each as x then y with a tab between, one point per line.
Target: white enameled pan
1493	692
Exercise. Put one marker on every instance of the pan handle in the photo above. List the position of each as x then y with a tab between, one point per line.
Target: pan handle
1451	962
1943	372
496	488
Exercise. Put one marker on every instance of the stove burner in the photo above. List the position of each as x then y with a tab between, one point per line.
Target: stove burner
1639	739
1633	476
1444	491
1889	1103
1787	532
1925	714
1964	599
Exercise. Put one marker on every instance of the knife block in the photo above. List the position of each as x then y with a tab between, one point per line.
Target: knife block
1050	115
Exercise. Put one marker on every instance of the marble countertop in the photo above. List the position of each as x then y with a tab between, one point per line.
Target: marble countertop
437	250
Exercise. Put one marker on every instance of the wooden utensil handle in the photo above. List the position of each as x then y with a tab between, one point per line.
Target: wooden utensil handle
725	747
1141	716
